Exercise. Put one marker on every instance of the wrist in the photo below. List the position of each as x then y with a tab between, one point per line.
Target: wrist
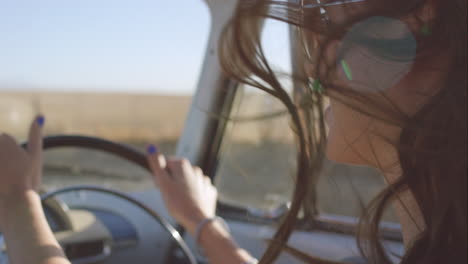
211	229
192	224
18	201
213	238
23	197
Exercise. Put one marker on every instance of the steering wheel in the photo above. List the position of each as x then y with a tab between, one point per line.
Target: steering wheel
124	152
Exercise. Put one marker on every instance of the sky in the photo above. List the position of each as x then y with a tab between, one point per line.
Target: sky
151	46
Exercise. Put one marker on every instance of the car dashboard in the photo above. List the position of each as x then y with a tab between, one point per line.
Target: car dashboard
103	229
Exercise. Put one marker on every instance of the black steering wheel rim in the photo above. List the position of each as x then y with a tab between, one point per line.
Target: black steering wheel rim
95	143
122	151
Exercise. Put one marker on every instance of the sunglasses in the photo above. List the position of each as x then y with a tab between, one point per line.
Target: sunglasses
374	53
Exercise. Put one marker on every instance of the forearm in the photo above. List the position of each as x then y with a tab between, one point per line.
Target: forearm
28	236
219	247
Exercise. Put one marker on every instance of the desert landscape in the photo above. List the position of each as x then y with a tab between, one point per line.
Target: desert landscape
120	117
256	165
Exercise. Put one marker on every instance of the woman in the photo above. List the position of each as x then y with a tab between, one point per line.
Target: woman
395	74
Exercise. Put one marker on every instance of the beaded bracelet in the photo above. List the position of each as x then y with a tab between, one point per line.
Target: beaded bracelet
200	227
254	261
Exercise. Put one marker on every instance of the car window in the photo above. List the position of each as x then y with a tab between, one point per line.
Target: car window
120	70
345	190
257	162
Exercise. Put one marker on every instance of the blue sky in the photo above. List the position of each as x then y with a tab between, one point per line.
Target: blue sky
109	45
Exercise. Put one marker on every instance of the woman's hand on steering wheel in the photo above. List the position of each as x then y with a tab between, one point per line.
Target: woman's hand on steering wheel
20	169
188	194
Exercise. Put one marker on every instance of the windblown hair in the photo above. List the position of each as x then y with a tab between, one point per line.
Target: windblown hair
432	148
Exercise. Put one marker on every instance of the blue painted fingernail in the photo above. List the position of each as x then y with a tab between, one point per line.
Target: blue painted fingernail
40	121
152	149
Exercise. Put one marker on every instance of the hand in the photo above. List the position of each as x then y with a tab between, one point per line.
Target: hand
20	169
188	194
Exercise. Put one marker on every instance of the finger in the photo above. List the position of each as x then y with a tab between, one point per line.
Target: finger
35	137
207	180
8	145
7	139
198	170
180	168
14	158
157	163
34	149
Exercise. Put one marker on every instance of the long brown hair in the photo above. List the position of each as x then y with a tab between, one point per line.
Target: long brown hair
432	148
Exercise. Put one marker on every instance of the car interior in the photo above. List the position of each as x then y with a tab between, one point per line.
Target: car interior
99	224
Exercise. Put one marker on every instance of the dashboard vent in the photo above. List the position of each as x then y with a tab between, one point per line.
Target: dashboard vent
84	250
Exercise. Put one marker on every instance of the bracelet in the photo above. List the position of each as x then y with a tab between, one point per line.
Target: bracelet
200	227
254	261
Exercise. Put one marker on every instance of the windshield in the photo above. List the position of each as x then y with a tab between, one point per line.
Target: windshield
111	69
